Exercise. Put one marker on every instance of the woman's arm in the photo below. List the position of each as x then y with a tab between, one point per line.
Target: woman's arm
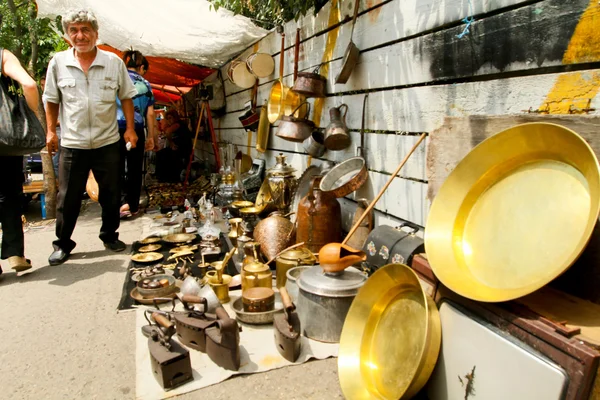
12	68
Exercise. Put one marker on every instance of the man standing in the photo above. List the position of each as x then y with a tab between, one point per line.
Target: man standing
82	84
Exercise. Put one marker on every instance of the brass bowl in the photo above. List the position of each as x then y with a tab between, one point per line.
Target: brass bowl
391	337
150	240
179	238
515	213
250	211
146	257
241	204
283	101
149	248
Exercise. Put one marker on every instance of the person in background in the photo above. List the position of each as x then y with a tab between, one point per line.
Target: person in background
174	158
83	83
11	178
132	160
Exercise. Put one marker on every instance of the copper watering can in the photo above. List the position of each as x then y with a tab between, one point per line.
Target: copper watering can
337	136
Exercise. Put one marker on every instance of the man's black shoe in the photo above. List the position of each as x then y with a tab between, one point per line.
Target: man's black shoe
58	257
117	245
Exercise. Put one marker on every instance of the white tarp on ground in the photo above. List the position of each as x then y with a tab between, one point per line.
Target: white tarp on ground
187	30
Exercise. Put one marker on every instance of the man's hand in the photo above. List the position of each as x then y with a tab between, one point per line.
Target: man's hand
130	137
150	144
52	141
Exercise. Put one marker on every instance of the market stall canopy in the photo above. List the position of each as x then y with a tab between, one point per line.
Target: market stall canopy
186	30
167	71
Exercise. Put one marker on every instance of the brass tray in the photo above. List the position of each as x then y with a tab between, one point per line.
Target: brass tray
391	337
179	238
150	240
149	248
257	318
515	213
146	257
150	301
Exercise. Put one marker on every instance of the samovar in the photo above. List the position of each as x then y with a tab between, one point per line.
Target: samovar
282	183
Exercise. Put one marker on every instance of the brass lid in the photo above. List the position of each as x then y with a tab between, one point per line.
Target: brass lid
258	294
300	254
281	168
256	266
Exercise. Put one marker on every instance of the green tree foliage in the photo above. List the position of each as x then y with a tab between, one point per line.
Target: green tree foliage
31	39
270	13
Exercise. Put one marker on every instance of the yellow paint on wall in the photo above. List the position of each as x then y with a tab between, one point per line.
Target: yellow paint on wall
574	91
332	36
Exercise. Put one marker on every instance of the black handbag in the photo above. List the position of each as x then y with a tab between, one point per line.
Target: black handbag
251	115
21	132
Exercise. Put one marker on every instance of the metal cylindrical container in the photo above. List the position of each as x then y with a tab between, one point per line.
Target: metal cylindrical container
291	259
258	299
319	218
291	283
324	300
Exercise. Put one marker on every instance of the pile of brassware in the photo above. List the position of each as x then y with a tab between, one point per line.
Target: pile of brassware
300	273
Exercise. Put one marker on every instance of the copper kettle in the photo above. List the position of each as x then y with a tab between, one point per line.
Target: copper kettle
337	135
319	218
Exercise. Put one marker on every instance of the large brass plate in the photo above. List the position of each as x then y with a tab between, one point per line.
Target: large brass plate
150	240
391	337
179	238
149	248
146	257
515	213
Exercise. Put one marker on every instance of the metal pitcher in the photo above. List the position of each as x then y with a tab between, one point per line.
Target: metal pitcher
337	136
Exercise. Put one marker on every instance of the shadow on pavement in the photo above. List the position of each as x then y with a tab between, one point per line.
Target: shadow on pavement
66	274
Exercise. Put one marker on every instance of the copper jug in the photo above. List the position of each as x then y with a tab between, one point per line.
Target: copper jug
337	135
319	218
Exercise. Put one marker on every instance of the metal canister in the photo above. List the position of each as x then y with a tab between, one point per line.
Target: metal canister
283	183
256	274
258	299
290	259
319	218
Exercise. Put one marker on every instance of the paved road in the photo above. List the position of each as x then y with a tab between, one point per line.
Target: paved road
61	337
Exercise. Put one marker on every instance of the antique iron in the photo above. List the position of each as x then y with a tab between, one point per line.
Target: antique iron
192	324
223	341
287	329
171	363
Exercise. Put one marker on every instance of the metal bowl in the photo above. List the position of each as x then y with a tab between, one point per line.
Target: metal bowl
515	213
162	291
179	238
346	177
257	318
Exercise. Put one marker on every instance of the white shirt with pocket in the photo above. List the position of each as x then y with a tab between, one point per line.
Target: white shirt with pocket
88	108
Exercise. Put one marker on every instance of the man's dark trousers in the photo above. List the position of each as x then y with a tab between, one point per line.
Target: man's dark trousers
74	167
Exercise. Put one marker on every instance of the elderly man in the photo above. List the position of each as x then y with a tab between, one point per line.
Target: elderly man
82	84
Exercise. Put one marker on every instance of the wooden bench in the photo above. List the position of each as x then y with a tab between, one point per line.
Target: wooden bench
37	187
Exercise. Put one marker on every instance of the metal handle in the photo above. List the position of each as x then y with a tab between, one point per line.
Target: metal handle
297	108
346	112
281	56
356	4
222	313
296	53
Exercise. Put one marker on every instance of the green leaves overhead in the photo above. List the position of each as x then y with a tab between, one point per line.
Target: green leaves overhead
270	13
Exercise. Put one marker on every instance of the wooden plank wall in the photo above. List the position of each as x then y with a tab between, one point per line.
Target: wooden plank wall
418	69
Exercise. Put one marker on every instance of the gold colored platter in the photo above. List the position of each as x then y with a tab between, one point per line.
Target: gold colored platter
391	337
184	248
150	300
146	257
149	248
179	238
515	213
150	240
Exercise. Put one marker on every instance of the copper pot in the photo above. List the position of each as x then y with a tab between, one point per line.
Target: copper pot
319	218
310	84
274	233
295	129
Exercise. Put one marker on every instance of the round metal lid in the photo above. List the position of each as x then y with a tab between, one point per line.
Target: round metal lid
342	284
300	254
281	168
256	266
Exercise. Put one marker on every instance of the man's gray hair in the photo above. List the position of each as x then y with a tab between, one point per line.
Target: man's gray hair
80	16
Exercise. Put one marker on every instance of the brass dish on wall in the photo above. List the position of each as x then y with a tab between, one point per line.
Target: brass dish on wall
515	213
391	337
